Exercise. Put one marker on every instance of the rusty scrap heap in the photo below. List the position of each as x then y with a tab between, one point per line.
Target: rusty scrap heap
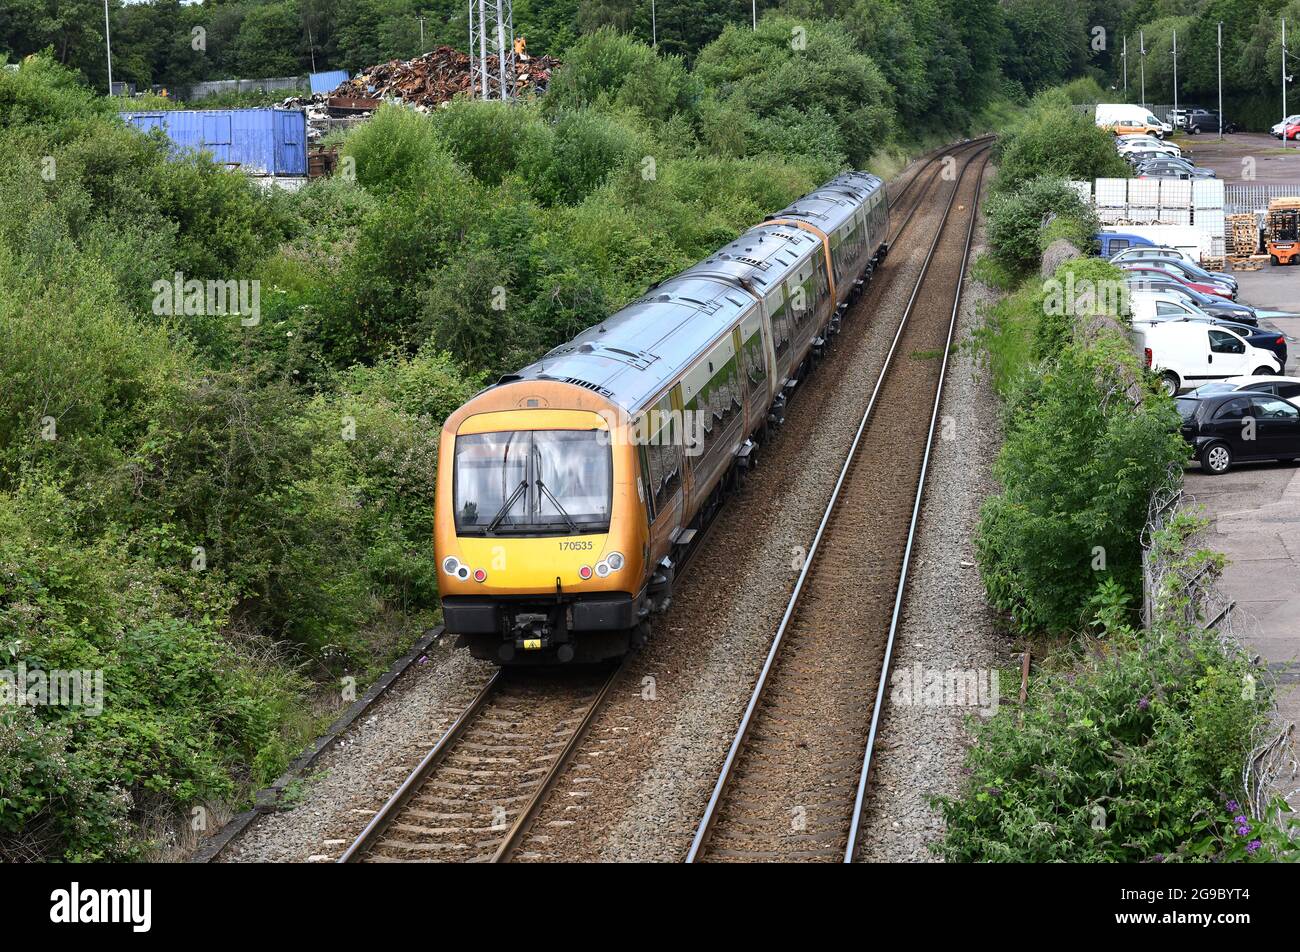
436	77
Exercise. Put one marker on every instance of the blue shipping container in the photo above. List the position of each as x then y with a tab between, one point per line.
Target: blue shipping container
257	141
327	82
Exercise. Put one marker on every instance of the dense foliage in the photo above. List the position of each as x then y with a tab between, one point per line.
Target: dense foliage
1130	753
1067	522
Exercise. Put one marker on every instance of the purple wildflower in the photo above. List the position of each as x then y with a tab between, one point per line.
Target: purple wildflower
1253	846
1243	831
1233	806
1239	819
1144	704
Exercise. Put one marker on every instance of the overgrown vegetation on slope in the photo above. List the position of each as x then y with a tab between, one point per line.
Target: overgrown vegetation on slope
1131	744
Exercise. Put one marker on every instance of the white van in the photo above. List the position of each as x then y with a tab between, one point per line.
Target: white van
1109	114
1187	354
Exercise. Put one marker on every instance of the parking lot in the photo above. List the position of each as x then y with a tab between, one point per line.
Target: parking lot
1272	164
1255	513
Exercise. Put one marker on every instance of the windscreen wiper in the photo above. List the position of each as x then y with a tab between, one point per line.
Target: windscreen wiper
556	503
505	507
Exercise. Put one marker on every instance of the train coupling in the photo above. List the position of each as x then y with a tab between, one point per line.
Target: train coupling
532	631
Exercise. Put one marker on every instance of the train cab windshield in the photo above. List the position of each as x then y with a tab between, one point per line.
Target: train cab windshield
533	482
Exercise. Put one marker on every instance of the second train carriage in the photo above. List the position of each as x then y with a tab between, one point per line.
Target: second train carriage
569	491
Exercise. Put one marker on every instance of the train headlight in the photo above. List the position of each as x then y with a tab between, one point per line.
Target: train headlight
602	569
462	572
614	560
450	564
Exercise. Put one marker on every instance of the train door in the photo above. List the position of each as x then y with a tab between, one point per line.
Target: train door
660	433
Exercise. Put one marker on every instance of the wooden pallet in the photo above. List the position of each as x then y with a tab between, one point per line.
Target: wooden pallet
1243	236
1248	263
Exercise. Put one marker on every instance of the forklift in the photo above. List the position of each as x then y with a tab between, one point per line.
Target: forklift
1282	230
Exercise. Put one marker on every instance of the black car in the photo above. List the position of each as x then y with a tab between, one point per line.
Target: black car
1207	120
1209	303
1171	168
1229	428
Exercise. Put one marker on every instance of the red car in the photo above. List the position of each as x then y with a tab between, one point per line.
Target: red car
1292	131
1156	272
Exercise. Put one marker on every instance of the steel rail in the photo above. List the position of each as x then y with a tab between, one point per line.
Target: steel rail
951	150
706	822
411	785
859	801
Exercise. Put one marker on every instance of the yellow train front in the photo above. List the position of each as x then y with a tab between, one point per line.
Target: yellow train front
541	549
570	492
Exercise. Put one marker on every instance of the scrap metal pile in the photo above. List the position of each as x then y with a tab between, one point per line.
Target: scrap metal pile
433	79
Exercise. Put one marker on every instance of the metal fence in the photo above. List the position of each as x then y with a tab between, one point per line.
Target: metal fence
1242	199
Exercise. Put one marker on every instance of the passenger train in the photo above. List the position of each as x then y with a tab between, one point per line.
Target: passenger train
569	492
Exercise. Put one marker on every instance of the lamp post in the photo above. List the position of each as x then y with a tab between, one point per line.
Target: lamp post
108	47
1142	61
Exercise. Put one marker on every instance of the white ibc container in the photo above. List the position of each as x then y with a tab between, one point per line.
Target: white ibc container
1175	193
1207	193
1210	221
1144	192
1112	192
1144	213
1176	216
1110	216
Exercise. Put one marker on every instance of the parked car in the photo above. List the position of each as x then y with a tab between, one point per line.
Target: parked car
1206	120
1132	119
1292	131
1144	270
1178	269
1110	243
1187	354
1168	167
1211	304
1136	143
1286	387
1156	306
1176	254
1229	428
1279	127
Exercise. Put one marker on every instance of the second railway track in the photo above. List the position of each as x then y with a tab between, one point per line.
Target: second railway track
792	785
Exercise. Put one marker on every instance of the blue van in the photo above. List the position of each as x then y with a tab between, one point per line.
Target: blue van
1111	243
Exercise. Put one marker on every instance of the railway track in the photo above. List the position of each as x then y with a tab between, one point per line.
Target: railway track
475	794
793	783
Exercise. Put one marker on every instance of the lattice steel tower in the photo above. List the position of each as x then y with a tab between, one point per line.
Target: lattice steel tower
492	33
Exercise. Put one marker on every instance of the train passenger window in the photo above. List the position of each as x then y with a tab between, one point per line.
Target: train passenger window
755	365
663	439
778	310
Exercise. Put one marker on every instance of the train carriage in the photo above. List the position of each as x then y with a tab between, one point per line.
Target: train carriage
568	492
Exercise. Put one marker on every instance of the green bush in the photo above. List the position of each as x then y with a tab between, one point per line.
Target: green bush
1054	139
1077	470
1131	752
1016	222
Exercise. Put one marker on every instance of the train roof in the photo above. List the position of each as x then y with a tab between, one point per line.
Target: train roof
633	354
828	207
760	258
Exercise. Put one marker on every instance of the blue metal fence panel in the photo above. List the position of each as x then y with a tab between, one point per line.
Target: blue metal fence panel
257	141
327	82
